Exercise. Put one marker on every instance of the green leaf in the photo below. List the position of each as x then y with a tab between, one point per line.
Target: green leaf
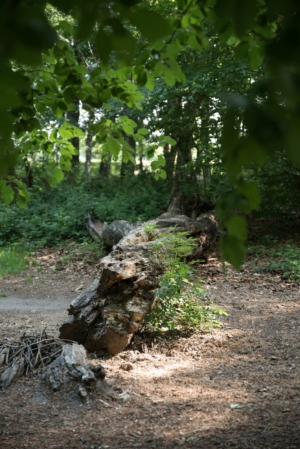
169	77
143	131
58	174
143	56
113	146
151	24
142	78
65	26
150	85
255	56
21	201
161	161
251	192
40	107
65	133
122	119
237	227
159	69
162	174
23	192
154	165
69	95
104	45
62	106
131	123
166	139
233	250
80	69
241	51
7	194
159	45
68	131
128	129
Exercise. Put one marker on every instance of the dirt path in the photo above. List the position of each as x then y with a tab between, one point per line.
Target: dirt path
238	386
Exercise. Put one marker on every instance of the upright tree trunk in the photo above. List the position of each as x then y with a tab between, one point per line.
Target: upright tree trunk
89	146
202	158
105	166
170	157
28	173
73	117
128	168
140	157
185	174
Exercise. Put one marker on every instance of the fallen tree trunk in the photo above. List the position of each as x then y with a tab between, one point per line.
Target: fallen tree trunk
113	308
179	204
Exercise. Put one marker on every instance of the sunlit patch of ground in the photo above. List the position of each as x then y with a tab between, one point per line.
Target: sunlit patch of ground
238	386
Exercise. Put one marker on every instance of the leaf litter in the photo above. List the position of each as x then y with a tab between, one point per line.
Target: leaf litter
238	386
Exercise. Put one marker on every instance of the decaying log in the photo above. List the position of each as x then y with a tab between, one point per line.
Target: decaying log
108	235
113	308
95	227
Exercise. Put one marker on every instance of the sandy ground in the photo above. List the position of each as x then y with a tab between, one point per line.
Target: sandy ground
238	386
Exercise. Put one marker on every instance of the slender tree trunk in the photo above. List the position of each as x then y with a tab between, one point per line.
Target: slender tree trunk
128	168
28	173
105	166
89	146
185	173
73	117
170	157
203	157
141	155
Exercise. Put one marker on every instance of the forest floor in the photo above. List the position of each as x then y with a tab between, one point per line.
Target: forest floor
237	386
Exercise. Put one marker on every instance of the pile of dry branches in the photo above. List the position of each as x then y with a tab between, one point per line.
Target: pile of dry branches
32	353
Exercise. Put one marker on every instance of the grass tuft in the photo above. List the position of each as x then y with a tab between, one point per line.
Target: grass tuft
12	260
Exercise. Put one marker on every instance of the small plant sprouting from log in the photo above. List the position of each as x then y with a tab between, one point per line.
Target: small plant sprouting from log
179	302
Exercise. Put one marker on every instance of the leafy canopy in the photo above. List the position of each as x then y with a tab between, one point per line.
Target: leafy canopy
45	66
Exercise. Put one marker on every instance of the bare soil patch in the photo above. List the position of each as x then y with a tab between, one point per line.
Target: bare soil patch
238	386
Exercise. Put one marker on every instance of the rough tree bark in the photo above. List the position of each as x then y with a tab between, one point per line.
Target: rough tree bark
72	373
113	308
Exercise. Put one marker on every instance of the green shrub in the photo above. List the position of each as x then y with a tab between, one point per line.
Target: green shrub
179	303
279	184
282	259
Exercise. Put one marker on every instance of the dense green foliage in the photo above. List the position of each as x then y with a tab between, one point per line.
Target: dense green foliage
55	215
277	258
279	184
179	301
